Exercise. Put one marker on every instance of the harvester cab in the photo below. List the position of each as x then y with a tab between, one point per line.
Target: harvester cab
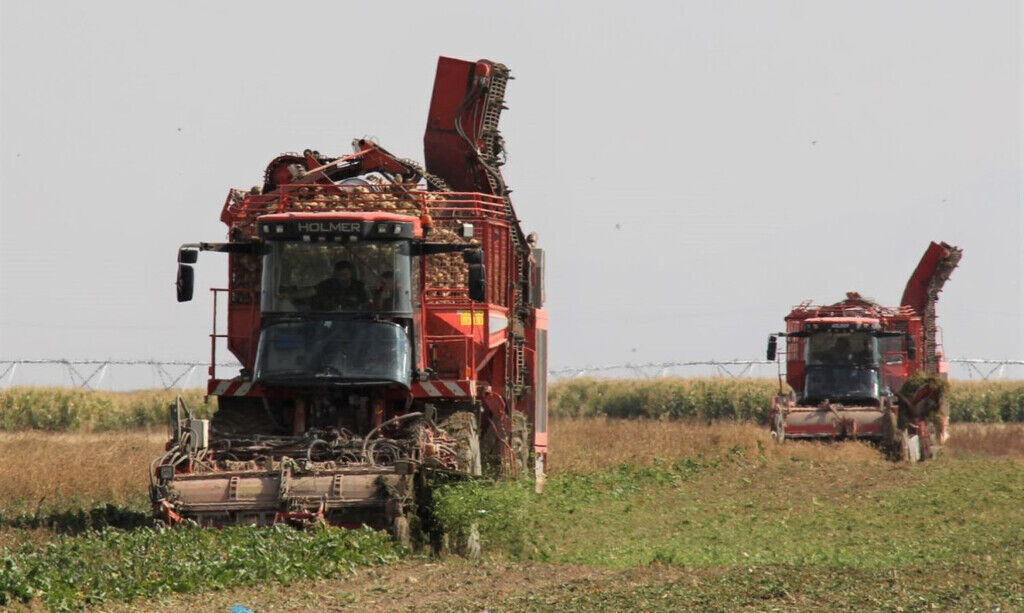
337	299
854	371
849	361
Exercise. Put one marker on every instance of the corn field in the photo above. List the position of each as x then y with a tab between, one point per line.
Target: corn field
748	399
59	409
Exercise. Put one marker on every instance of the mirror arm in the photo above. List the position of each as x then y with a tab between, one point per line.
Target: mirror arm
436	248
247	247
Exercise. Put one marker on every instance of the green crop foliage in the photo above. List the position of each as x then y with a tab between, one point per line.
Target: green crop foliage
116	565
793	524
60	409
509	515
57	409
497	510
748	399
671	398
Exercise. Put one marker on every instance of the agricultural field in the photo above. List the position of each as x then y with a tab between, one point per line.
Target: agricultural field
656	514
70	410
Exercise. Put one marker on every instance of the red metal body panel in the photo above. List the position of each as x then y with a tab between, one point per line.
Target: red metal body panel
814	422
915	295
446	153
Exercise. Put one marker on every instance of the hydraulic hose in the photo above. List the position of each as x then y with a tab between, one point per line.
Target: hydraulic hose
366	441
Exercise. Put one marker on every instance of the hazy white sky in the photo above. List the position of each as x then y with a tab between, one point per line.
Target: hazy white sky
693	168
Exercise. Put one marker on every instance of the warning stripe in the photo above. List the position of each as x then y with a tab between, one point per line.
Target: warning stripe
420	389
231	387
444	389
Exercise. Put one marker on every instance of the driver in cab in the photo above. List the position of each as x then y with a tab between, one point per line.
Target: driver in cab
339	292
840	352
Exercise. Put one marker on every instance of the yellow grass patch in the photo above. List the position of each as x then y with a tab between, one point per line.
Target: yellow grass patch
43	470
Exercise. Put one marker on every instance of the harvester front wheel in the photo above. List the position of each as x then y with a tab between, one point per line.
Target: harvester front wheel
520	442
930	450
471	542
894	443
779	428
462	426
907	453
401	531
465	544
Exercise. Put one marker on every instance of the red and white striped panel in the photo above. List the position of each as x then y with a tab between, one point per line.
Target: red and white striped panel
231	387
444	389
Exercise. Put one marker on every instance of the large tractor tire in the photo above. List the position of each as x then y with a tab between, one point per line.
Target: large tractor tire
507	453
931	450
401	531
427	530
462	426
493	448
521	440
469	544
778	427
893	438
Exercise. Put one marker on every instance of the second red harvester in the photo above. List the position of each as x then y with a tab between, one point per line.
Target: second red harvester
862	370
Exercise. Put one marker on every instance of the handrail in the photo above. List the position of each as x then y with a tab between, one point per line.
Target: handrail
241	205
254	305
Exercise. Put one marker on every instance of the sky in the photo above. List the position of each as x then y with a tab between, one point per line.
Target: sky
693	169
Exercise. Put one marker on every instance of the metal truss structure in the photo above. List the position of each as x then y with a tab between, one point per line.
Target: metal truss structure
177	374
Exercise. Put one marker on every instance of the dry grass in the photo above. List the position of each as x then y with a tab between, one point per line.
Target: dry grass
56	469
47	471
584	445
763	498
928	542
456	584
987	439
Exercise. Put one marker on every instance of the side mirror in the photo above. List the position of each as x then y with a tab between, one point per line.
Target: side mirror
186	281
477	274
772	346
188	256
477	282
911	348
473	256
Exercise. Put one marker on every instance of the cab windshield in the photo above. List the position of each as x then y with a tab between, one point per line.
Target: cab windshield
840	383
356	277
849	348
